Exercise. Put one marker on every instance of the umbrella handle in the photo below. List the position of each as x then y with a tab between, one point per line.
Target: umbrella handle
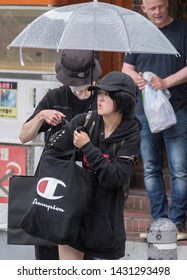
21	57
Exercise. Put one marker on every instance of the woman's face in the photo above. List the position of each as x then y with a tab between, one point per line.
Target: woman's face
105	105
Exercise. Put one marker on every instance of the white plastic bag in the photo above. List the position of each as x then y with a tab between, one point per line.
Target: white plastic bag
158	109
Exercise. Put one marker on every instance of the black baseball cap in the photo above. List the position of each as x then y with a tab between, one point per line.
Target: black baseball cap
116	81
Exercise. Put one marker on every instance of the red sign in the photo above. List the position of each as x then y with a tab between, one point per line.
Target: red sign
13	161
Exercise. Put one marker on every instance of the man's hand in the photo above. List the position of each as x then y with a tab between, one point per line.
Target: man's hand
158	83
140	81
52	117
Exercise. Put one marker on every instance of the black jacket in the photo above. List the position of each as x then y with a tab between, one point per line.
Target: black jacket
102	233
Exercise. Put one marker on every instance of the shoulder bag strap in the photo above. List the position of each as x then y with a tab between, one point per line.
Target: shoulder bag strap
46	142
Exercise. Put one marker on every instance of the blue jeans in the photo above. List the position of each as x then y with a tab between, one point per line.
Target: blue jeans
175	140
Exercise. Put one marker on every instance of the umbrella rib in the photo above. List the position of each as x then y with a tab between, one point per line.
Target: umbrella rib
128	38
61	38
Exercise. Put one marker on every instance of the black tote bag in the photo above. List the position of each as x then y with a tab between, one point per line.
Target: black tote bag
22	190
21	193
63	195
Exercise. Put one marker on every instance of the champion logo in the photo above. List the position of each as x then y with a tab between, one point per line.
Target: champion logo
47	187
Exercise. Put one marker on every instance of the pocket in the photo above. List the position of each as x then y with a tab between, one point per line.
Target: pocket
96	232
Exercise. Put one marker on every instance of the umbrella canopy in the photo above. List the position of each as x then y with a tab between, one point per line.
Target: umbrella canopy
94	26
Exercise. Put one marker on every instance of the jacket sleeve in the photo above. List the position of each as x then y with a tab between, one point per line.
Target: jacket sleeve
117	171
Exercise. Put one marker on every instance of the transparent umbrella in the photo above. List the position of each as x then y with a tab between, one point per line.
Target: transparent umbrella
94	26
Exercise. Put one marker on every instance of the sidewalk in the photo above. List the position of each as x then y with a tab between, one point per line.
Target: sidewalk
134	250
138	251
14	252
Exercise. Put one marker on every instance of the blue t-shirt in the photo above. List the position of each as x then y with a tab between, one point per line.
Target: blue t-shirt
164	65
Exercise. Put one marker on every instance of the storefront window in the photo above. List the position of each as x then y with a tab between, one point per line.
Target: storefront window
12	21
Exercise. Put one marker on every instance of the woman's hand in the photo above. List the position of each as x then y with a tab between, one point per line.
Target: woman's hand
80	139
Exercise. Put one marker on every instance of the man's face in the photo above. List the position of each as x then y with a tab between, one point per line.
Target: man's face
157	11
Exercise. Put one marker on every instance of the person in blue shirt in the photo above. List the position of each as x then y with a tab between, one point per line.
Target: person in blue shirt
171	74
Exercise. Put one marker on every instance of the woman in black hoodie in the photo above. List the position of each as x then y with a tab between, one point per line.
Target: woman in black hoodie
110	152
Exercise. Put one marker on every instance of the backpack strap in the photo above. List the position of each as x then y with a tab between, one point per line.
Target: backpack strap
92	125
89	122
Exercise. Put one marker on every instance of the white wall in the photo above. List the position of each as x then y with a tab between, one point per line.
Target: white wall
10	127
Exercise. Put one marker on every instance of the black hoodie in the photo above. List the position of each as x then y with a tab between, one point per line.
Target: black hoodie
102	232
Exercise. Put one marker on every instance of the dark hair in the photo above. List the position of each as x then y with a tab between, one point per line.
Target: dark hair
125	103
